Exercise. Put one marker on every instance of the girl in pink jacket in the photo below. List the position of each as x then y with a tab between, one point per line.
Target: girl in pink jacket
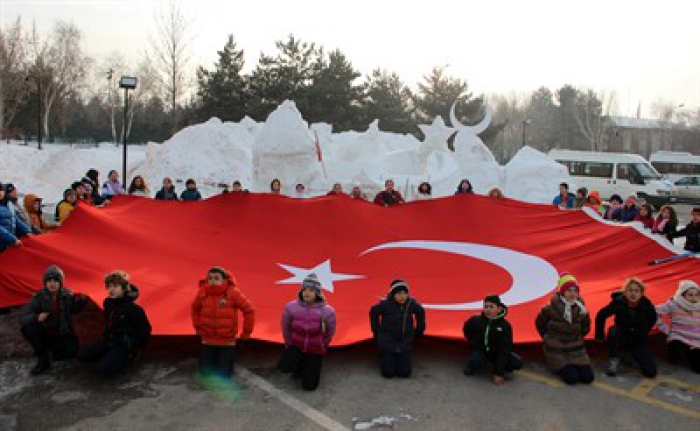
679	318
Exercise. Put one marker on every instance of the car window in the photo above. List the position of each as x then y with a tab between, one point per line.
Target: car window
588	169
684	181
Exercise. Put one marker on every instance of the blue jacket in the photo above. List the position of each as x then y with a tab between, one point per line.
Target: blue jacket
11	228
190	195
625	214
569	201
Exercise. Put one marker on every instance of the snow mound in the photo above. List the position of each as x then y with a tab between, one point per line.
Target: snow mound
533	176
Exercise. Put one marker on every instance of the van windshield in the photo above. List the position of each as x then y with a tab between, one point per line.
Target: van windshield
645	171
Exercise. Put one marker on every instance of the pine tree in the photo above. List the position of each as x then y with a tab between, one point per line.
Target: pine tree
388	100
222	92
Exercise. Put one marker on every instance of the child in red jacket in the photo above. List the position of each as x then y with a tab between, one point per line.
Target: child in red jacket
215	319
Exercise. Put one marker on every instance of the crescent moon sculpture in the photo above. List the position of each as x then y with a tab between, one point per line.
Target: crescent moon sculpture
476	129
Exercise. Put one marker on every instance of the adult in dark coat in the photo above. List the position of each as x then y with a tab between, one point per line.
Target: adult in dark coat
490	336
691	233
47	322
635	316
396	323
389	196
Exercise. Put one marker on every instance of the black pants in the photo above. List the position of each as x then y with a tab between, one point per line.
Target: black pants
678	349
572	374
217	360
396	364
638	348
60	346
109	357
477	359
307	366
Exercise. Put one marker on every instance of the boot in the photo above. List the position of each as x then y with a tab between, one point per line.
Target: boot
612	367
43	364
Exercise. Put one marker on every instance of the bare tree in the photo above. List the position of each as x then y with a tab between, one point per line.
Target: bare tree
663	109
61	66
147	88
13	87
593	116
171	54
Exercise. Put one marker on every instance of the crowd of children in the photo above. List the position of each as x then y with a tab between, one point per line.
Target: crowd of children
308	324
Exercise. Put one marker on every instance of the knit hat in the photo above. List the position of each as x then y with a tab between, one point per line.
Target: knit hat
311	282
495	299
566	282
631	200
53	272
398	286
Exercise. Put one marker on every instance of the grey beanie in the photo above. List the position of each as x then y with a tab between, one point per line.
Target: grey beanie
53	272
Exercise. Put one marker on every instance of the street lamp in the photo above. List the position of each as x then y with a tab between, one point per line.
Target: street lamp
127	83
525	123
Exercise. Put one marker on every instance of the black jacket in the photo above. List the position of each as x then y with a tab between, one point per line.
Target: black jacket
396	326
492	337
41	303
167	195
634	323
692	237
125	321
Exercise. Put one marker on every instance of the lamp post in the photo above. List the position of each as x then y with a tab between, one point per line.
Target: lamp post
525	123
127	83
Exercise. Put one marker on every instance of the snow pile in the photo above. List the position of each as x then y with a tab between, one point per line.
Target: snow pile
215	153
210	153
533	176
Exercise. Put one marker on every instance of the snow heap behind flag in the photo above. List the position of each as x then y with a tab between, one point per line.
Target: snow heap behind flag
451	251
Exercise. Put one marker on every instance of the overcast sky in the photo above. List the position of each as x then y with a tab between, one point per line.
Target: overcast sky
642	50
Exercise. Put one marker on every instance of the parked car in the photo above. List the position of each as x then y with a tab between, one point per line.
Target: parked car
687	188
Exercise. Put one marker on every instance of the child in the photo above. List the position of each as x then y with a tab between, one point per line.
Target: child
666	222
276	187
47	322
32	204
126	327
389	196
215	319
464	187
593	201
82	193
628	212
167	192
615	204
563	325
190	193
138	187
646	216
634	315
691	233
496	193
491	338
581	197
11	227
565	199
112	187
397	322
683	329
67	205
308	326
425	191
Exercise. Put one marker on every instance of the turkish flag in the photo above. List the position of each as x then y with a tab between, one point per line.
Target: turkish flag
451	251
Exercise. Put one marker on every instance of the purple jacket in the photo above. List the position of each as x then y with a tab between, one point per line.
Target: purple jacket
308	327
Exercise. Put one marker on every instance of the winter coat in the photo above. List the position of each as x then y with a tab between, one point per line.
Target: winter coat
635	323
492	337
215	313
387	199
563	341
64	209
396	326
684	324
112	188
692	237
68	304
125	321
666	229
11	228
625	214
191	195
309	327
647	222
36	217
167	195
568	204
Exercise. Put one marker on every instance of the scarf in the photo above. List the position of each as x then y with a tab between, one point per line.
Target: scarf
679	299
568	310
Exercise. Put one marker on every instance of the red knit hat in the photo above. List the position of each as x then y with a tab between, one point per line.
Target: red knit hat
566	282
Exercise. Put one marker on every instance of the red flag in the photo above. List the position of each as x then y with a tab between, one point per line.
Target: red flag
451	251
319	153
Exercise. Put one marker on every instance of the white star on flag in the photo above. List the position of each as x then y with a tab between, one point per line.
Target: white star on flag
325	274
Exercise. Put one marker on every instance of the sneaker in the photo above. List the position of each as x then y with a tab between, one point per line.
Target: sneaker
612	367
41	366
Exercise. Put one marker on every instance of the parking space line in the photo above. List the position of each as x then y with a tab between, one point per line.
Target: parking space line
318	417
639	393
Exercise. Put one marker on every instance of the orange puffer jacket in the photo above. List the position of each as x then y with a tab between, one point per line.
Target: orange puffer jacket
215	313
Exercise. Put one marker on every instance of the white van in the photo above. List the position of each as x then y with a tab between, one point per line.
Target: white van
615	173
675	165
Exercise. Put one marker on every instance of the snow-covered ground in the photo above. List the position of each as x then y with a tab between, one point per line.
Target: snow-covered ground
284	147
